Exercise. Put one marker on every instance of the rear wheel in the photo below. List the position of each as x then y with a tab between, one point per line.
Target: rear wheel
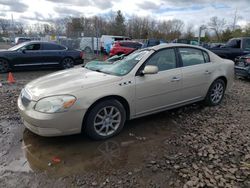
4	66
105	119
215	93
67	63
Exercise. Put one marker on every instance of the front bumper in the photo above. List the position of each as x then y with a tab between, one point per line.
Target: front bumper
242	71
56	124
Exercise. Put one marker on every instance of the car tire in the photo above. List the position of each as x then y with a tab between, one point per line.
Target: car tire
106	119
67	63
4	66
215	93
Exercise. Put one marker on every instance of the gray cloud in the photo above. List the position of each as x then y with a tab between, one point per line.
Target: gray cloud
2	14
73	2
102	4
14	5
37	17
67	11
148	5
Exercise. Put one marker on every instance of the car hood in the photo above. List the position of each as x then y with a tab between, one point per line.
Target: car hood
67	82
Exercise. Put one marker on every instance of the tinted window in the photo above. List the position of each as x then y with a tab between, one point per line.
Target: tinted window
52	47
153	42
235	43
32	47
163	59
124	44
247	45
191	56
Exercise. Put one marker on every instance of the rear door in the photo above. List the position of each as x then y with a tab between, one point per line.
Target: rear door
52	53
197	71
158	91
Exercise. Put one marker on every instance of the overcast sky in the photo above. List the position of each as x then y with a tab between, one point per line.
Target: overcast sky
196	12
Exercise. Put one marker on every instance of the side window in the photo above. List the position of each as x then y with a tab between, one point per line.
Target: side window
33	47
51	47
191	56
235	43
206	57
163	59
247	44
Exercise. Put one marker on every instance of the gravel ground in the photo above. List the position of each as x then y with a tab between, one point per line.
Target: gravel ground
202	147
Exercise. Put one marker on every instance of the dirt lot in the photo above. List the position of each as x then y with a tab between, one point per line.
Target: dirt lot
193	146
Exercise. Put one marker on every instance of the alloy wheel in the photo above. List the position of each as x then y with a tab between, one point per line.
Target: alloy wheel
107	120
68	63
217	92
4	66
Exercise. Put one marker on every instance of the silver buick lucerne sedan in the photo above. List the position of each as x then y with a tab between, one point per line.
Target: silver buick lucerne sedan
100	97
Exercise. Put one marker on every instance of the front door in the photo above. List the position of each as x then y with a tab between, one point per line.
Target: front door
29	55
158	91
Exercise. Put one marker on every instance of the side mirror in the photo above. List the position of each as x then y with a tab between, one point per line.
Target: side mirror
150	69
23	51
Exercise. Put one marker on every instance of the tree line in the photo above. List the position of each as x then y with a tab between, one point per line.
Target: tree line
135	27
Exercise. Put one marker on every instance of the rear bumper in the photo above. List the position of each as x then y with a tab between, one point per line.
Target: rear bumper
242	71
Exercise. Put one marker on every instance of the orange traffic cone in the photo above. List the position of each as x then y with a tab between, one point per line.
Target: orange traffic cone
11	79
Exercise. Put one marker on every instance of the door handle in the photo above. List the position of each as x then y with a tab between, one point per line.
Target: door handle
207	72
174	79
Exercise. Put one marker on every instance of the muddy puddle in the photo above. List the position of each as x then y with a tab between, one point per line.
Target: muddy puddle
68	155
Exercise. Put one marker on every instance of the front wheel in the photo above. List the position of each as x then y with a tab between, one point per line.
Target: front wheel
4	66
215	93
67	63
105	119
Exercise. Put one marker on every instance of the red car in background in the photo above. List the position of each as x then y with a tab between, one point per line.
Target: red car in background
124	47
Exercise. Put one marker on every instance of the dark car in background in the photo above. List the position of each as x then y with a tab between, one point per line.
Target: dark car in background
39	54
233	48
242	66
153	42
124	47
19	40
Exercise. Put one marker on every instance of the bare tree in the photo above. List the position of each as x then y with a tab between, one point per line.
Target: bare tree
218	25
4	25
189	34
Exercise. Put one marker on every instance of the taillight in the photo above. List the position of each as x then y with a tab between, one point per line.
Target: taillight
81	55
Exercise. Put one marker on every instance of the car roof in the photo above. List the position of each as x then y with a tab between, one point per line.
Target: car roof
131	41
168	45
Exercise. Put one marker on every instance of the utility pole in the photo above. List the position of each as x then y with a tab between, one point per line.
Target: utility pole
201	28
235	19
12	27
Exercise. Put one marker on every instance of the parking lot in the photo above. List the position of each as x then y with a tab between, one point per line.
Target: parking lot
190	146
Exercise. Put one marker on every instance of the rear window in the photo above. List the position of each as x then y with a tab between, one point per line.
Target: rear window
192	56
53	47
131	45
247	44
206	57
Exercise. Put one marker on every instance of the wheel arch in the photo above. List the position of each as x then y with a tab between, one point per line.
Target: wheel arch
122	100
64	57
222	78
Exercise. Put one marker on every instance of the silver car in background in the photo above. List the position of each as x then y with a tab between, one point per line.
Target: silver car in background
100	97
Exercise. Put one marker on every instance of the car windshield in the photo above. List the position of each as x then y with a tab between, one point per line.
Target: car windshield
16	47
120	67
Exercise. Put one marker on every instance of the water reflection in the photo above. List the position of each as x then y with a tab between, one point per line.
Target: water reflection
77	154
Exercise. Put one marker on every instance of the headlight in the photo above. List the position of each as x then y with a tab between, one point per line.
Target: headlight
54	104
